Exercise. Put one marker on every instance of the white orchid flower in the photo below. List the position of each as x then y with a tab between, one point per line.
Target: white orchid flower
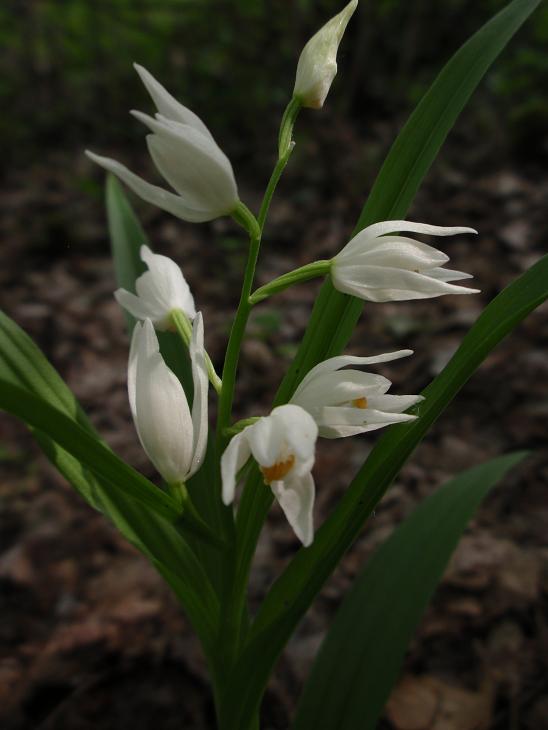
283	444
160	290
382	268
186	155
348	402
317	66
174	439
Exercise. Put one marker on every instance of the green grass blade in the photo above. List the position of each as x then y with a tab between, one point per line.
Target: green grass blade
293	592
23	365
360	658
335	315
156	538
85	447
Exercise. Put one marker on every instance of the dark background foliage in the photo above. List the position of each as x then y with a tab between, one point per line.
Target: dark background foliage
89	637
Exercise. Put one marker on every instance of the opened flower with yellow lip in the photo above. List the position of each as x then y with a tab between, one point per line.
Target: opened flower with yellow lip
349	402
283	444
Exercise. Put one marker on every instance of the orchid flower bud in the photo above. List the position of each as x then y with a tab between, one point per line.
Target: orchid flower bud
160	290
383	268
186	155
283	444
317	66
173	438
349	402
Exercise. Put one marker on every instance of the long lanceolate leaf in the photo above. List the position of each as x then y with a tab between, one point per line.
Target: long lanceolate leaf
334	314
293	592
22	365
86	448
362	654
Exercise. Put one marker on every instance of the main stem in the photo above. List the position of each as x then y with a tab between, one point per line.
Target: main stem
233	601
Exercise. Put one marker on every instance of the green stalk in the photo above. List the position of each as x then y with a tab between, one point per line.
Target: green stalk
232	599
303	273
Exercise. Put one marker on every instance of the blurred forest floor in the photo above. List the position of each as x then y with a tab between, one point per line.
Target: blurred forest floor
90	637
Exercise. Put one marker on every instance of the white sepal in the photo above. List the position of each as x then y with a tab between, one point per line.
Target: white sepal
317	66
160	290
380	267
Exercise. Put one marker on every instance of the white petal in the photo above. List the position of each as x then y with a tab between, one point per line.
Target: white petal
394	251
381	229
335	363
196	169
448	274
299	428
168	287
163	418
153	194
132	367
393	403
383	284
296	498
234	457
338	387
266	438
167	104
343	421
201	385
144	343
134	305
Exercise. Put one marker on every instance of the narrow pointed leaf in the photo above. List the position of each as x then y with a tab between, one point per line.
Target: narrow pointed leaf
23	365
360	658
85	447
293	592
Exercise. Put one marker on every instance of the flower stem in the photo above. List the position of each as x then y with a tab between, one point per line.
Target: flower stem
244	307
304	273
184	329
233	596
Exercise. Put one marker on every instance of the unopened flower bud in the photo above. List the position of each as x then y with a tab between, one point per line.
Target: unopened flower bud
317	65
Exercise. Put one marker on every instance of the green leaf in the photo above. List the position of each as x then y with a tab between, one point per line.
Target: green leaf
127	237
293	592
23	365
361	656
334	314
85	447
